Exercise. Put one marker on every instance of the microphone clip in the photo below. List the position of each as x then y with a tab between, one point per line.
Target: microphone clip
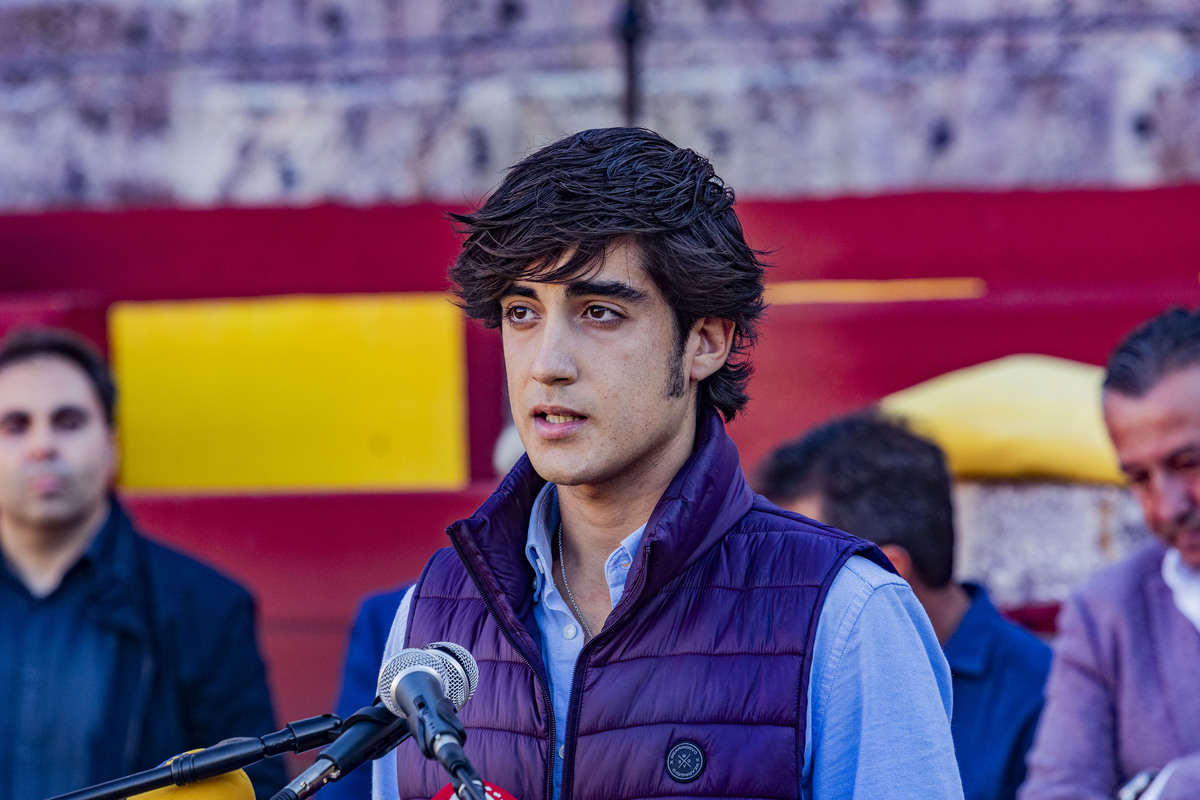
436	728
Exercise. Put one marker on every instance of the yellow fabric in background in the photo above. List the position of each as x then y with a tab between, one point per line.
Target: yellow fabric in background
234	785
1023	416
332	392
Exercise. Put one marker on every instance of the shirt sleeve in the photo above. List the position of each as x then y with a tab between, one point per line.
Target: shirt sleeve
384	784
879	696
360	679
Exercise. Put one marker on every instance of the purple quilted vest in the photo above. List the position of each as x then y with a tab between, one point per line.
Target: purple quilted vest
710	645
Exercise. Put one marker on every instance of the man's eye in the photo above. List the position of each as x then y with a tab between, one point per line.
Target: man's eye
13	425
1188	463
69	420
600	313
516	313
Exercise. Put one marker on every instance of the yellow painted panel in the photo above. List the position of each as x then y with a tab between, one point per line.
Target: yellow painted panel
899	290
338	392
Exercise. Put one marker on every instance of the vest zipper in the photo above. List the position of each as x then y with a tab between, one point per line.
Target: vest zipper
577	693
545	689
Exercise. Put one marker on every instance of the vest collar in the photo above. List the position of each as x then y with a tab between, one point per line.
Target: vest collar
707	497
703	501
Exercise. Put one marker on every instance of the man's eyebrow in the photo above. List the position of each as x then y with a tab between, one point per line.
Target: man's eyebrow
616	290
1183	450
613	289
520	291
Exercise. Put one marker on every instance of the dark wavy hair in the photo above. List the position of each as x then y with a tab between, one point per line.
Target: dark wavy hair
875	479
25	344
1154	349
589	191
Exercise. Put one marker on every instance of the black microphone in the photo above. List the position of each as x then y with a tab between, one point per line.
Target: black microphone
426	688
367	734
220	759
374	730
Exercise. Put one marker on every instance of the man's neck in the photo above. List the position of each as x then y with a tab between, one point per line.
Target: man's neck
945	607
597	517
595	520
595	526
41	557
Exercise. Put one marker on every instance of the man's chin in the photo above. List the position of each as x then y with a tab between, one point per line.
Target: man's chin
558	476
556	470
55	518
1188	545
1190	559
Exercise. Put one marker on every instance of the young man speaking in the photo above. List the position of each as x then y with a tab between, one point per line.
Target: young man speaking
645	625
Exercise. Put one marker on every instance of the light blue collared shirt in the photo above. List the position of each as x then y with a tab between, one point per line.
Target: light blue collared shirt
562	636
878	725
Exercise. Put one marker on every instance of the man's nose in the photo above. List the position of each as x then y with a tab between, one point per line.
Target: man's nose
41	442
1174	500
554	361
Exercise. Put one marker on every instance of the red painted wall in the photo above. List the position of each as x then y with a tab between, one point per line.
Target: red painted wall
1036	241
159	254
309	559
1068	274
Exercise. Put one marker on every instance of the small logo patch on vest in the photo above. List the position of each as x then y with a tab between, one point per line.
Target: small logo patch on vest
685	762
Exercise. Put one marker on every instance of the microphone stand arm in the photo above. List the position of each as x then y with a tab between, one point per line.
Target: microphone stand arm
467	783
227	756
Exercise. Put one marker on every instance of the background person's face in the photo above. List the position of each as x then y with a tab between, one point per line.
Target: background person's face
1157	438
57	456
807	504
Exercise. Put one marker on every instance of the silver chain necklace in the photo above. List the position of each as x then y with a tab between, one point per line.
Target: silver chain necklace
562	566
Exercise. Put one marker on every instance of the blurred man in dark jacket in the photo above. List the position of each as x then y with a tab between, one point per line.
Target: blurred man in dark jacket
115	652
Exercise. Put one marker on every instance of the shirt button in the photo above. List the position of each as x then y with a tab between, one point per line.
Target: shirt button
570	630
561	749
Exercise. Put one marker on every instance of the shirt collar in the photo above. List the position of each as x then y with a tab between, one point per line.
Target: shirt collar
543	522
96	549
89	561
1184	583
969	646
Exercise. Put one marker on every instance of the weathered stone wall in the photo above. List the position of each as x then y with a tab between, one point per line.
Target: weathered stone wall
113	102
1032	542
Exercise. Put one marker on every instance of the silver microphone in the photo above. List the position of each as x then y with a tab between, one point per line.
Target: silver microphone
426	688
451	664
421	691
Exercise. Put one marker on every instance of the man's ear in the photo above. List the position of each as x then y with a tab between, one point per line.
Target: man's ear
114	458
709	344
900	559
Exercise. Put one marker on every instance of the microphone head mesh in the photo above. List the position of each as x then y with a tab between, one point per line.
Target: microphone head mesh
405	661
460	667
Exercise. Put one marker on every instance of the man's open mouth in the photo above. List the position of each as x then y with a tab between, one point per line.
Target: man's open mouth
558	419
